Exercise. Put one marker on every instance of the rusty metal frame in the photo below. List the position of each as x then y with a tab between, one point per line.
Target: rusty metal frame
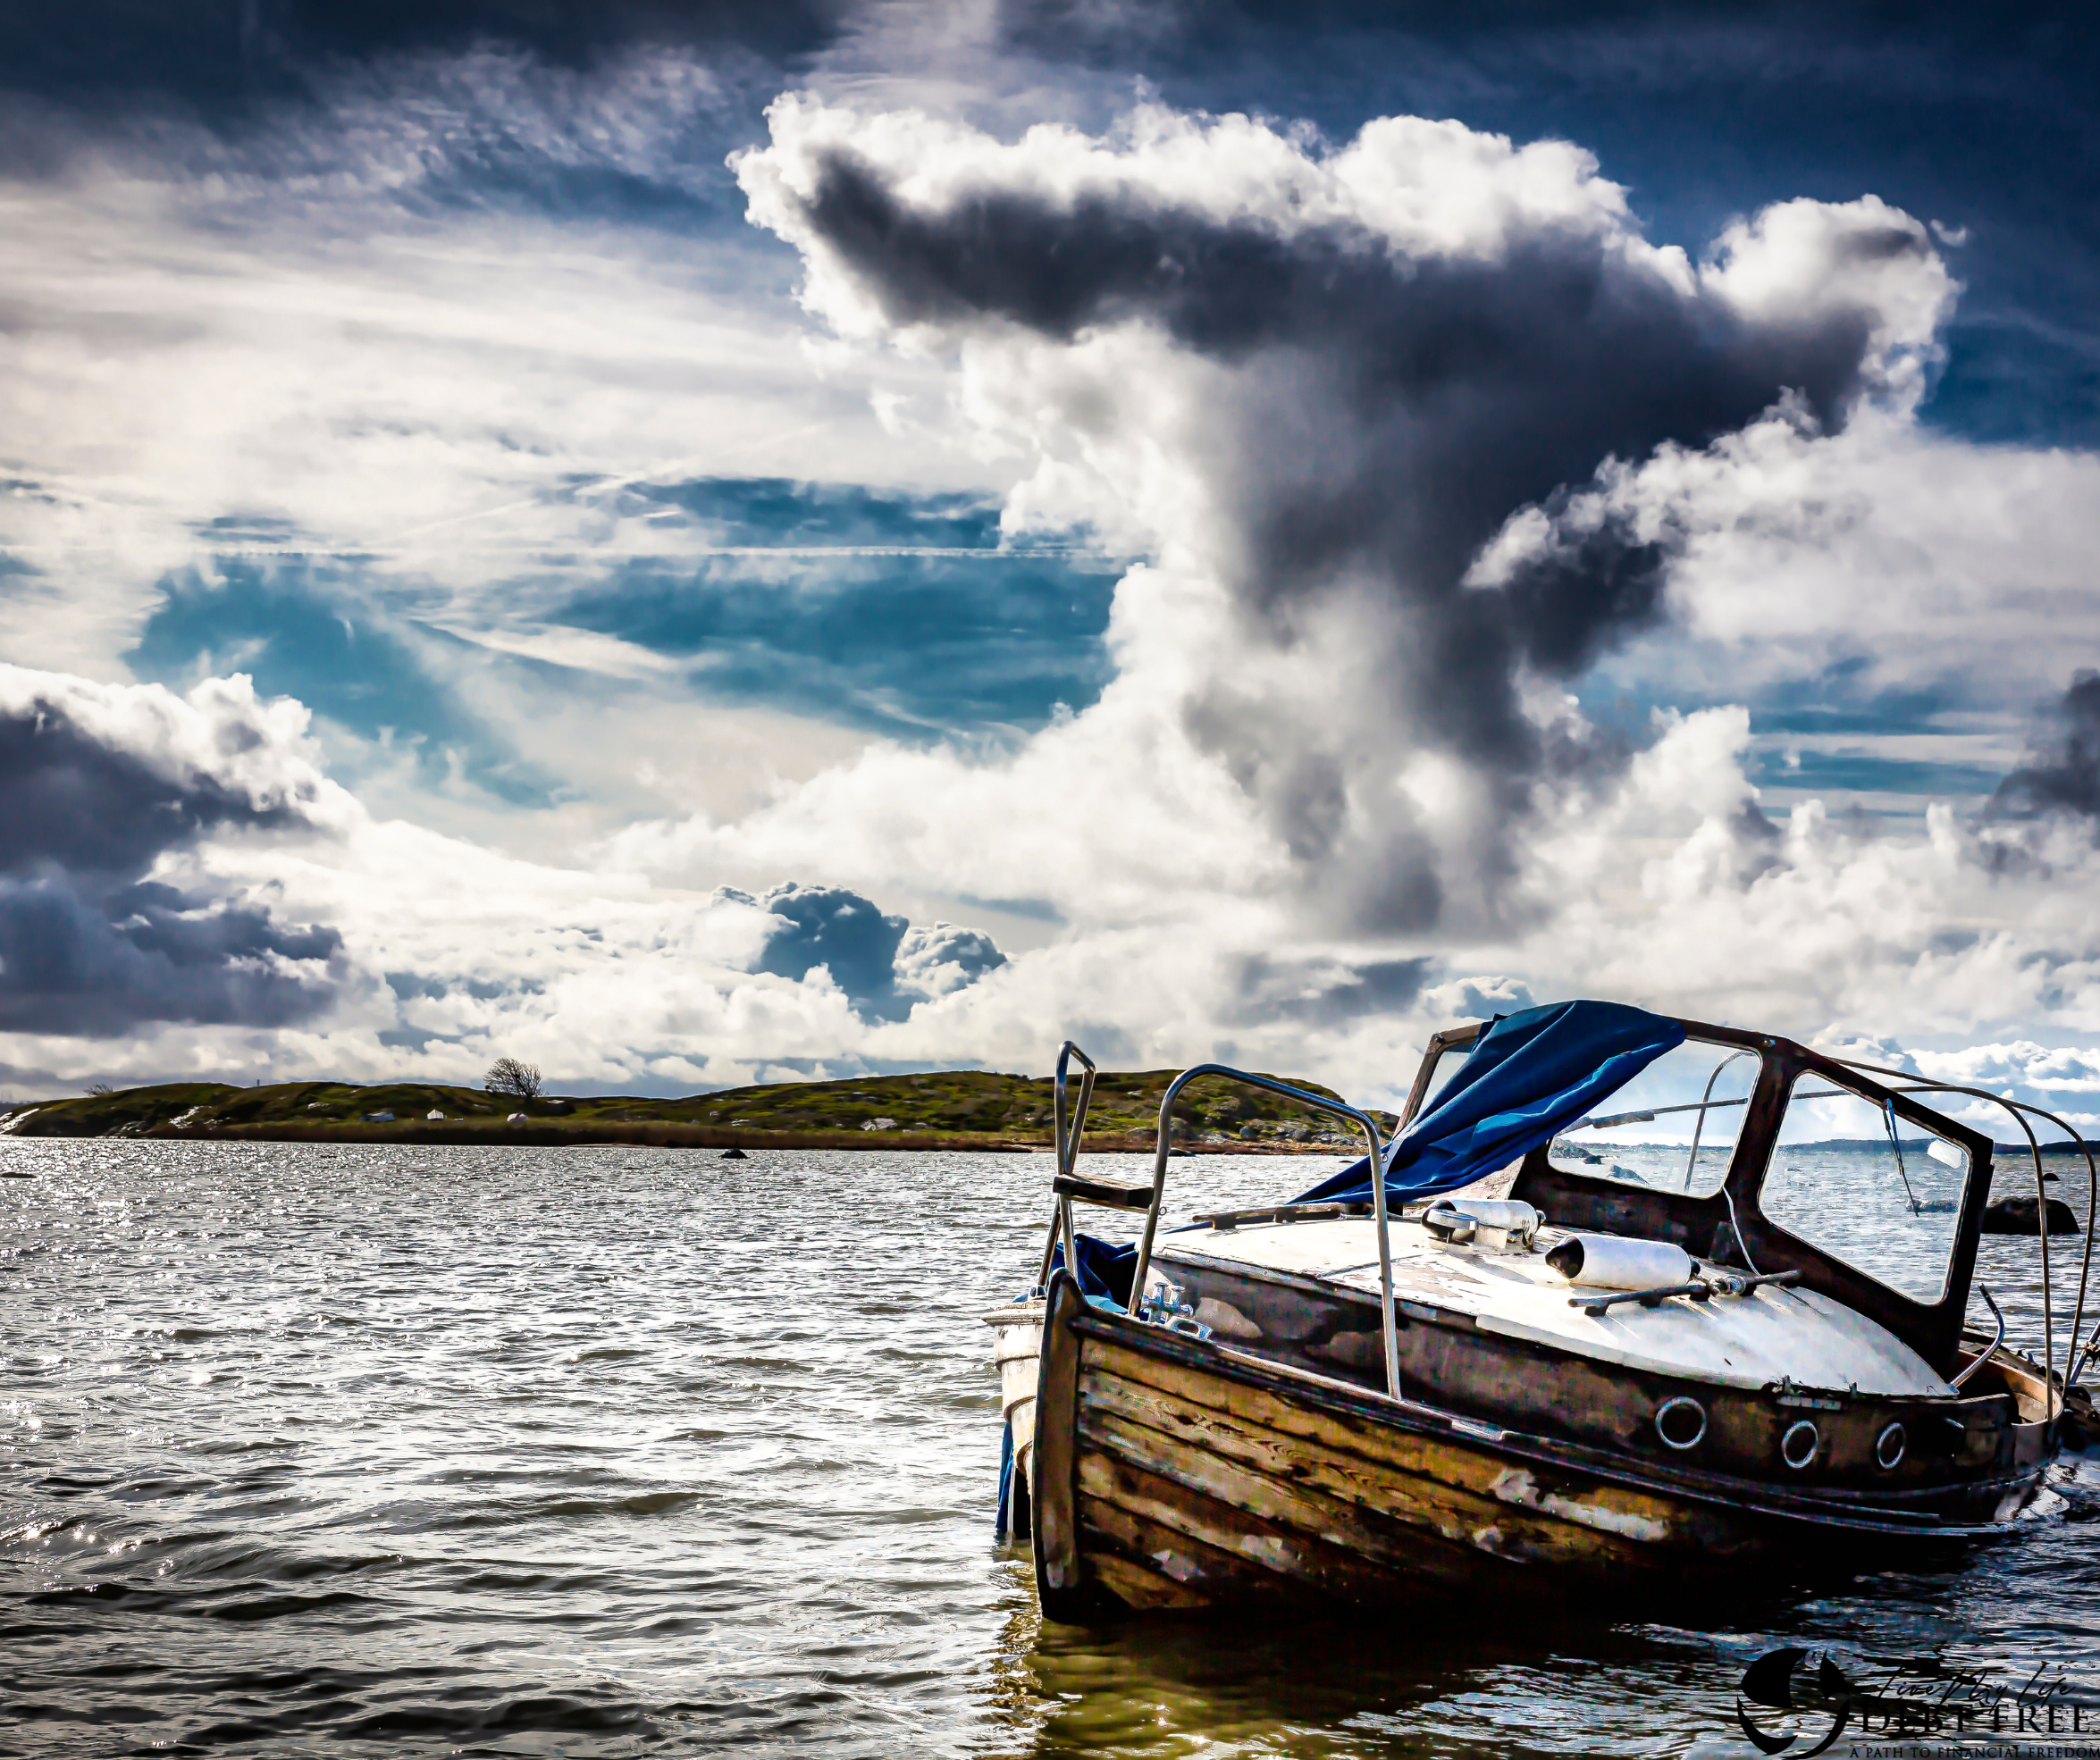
1932	1329
1362	1120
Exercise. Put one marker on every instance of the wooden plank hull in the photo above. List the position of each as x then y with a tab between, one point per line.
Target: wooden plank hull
1174	1474
1515	1378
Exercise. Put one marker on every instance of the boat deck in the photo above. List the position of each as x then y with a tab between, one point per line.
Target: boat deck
1768	1335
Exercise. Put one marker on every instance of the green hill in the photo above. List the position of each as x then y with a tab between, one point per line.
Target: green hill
965	1105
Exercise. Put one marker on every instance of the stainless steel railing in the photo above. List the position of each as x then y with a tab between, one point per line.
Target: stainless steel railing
1065	1134
1067	1185
1912	1083
1322	1104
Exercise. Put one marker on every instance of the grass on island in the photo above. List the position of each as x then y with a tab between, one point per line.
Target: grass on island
964	1106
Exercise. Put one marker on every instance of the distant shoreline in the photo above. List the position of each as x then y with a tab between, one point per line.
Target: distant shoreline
966	1111
550	1135
970	1110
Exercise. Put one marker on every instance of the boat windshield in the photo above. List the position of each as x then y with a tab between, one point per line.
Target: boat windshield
1855	1180
1449	1061
1673	1127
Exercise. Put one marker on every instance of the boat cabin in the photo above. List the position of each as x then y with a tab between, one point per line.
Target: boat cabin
1756	1154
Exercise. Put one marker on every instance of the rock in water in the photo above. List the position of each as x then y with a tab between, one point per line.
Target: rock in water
2016	1216
736	1154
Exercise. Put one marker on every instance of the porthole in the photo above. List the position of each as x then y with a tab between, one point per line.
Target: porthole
1681	1422
1798	1447
1888	1447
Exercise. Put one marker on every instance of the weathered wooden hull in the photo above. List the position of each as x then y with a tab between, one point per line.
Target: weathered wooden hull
1171	1472
1506	1376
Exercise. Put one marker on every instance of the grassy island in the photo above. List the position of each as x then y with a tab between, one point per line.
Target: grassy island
952	1108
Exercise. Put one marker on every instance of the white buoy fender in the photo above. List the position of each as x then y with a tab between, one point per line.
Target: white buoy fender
1501	1225
1017	1330
1611	1261
1508	1213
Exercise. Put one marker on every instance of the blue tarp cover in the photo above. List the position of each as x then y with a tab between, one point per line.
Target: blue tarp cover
1529	1076
1105	1268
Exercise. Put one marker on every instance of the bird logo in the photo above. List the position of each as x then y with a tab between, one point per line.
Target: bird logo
1770	1683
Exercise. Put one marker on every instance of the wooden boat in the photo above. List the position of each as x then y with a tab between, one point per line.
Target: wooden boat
1324	1400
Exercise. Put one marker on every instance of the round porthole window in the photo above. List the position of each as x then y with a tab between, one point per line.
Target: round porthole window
1889	1446
1681	1422
1798	1447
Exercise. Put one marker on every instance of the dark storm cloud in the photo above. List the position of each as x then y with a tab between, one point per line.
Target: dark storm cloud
1465	390
87	945
881	962
1707	111
1326	995
1384	411
830	927
1571	602
2062	773
76	963
218	54
72	802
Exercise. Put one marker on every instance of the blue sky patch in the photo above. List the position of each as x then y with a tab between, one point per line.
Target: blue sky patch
317	631
911	647
886	612
779	511
1865	772
897	613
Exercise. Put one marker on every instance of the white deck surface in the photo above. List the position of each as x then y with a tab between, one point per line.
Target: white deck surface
1746	1341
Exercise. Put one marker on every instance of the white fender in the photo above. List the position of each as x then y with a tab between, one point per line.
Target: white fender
1508	1213
1500	1225
1611	1261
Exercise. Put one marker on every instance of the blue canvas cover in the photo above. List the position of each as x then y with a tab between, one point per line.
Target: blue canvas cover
1106	1269
1528	1078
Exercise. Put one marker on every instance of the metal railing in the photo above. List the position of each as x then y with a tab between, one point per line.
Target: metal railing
1705	1105
1065	1132
1320	1102
1067	1185
1068	1122
1913	1083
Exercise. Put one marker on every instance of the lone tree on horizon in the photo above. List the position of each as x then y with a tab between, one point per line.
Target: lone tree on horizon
507	1076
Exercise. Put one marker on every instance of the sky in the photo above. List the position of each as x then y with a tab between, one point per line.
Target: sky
695	543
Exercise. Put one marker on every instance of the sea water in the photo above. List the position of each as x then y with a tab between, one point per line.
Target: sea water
346	1451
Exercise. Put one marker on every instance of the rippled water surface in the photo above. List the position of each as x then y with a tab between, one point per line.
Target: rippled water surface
343	1451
